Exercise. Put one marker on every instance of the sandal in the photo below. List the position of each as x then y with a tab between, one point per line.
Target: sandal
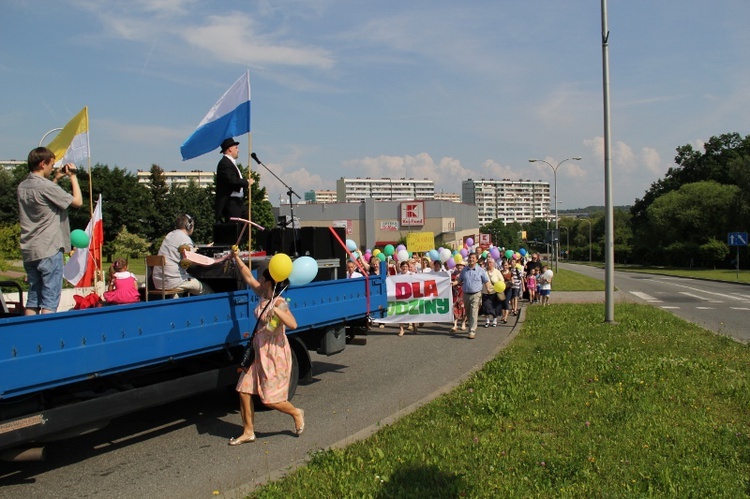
299	429
239	440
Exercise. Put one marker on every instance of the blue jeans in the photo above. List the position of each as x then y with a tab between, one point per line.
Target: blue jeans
45	282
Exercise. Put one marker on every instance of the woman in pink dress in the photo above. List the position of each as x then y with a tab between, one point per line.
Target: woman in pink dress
270	373
123	286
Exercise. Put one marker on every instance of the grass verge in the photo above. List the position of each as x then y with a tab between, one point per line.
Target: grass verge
728	275
567	280
650	406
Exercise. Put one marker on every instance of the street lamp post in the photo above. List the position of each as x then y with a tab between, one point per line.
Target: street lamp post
554	175
588	222
45	135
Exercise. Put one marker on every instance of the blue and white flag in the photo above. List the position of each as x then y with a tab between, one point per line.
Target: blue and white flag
229	117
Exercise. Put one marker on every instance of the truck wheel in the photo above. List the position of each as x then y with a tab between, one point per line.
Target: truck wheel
295	376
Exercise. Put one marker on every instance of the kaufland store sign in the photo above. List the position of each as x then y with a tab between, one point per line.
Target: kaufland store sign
412	213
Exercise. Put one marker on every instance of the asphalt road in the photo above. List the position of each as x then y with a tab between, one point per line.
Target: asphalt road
722	307
180	449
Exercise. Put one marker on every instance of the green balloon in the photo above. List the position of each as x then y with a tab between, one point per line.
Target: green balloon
389	249
79	239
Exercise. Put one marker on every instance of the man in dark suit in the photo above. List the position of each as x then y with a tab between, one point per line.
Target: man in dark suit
230	186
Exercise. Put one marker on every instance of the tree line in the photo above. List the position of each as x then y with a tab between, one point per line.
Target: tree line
136	216
682	220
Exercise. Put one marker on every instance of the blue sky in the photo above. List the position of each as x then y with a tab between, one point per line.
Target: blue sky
423	89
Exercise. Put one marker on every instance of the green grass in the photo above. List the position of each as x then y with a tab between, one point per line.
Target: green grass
567	280
651	406
728	275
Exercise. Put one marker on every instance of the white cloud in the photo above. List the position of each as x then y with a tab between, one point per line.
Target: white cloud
651	160
236	38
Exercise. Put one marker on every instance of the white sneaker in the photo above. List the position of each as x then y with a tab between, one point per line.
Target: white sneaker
494	323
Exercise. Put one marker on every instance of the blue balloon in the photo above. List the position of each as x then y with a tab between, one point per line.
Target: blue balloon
434	255
304	270
522	251
351	245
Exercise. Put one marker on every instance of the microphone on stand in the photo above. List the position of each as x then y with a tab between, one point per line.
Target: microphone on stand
255	157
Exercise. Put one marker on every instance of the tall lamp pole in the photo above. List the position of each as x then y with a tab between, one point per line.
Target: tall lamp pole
45	135
554	175
588	222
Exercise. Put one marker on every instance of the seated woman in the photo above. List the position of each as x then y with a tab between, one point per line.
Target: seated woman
175	275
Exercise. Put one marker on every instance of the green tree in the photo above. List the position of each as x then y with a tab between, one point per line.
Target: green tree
713	252
159	191
10	240
690	216
129	245
723	160
9	180
124	202
506	236
196	202
260	208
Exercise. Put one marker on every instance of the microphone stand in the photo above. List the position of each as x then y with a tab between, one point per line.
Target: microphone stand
289	193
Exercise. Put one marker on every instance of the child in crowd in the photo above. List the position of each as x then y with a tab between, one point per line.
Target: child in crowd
123	286
545	285
531	285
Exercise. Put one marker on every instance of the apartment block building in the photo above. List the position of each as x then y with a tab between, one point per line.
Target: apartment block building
180	179
383	189
321	196
511	201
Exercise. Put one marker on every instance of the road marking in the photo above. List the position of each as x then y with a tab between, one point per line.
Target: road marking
670	308
739	308
698	297
706	308
704	292
644	296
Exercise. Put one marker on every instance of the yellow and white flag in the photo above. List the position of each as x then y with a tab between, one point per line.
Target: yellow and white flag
72	143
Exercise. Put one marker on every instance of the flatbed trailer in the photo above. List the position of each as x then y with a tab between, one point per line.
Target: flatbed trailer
68	373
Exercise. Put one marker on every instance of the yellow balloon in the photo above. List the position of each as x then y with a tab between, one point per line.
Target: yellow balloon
458	258
280	267
499	286
375	252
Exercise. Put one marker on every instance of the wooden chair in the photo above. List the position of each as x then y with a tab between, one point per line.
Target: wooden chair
157	261
11	308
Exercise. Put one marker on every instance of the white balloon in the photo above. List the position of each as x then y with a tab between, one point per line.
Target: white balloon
445	254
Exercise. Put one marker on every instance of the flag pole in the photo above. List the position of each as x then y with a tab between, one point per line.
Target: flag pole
98	257
250	178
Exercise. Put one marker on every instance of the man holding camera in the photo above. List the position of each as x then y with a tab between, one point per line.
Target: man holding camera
45	228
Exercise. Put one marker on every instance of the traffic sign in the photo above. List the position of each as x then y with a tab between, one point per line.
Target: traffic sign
738	239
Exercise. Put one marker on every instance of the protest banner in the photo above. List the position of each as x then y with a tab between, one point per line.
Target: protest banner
423	297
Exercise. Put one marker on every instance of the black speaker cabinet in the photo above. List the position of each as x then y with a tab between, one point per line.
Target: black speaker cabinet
316	242
226	234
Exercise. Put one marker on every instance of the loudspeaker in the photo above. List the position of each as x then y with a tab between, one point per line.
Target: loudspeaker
316	242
